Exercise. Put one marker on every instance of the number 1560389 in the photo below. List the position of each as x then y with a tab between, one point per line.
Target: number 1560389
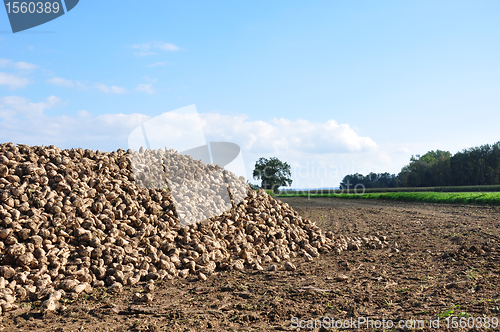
32	7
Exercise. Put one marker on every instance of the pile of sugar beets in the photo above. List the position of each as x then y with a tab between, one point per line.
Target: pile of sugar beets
74	220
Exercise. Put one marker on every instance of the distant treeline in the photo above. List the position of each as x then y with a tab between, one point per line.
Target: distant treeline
372	180
470	167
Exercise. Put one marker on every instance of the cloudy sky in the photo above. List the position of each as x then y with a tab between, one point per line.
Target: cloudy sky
331	87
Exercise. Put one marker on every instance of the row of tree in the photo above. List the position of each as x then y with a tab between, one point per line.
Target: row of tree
469	167
372	180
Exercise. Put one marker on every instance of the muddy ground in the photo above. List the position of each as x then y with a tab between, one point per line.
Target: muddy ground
446	265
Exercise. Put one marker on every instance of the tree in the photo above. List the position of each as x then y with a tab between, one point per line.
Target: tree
431	169
434	157
372	180
273	172
469	167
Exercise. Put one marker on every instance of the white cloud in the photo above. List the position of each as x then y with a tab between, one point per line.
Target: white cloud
110	89
25	65
144	49
261	137
321	153
284	134
167	47
147	88
17	65
23	106
6	113
5	62
158	64
25	122
13	81
83	86
83	114
60	81
145	53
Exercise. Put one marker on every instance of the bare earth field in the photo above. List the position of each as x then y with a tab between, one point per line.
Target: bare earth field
447	265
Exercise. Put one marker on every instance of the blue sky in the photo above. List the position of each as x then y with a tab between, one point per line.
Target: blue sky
344	86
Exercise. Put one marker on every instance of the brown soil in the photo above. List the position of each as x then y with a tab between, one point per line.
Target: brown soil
448	260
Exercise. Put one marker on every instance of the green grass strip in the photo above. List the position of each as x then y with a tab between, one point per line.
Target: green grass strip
483	188
428	197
